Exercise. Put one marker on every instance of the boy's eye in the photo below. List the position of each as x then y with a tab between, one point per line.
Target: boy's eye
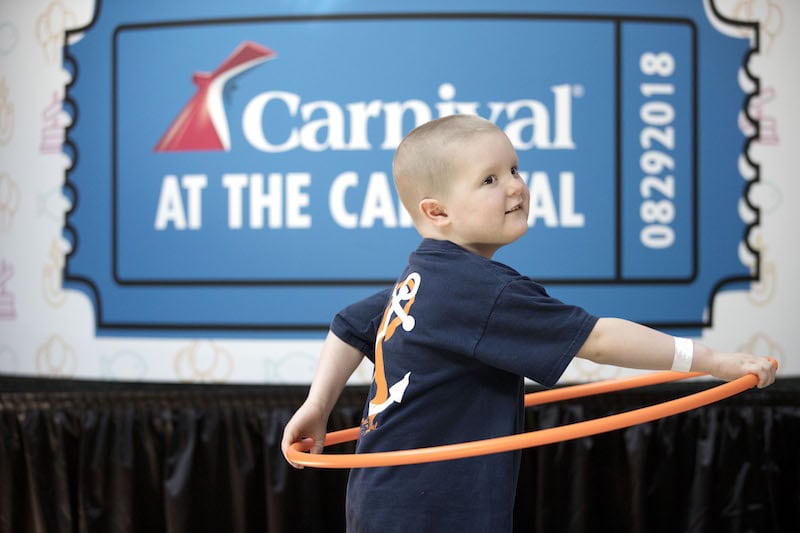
514	171
488	180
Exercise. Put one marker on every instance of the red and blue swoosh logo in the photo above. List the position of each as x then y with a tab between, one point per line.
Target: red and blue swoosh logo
202	124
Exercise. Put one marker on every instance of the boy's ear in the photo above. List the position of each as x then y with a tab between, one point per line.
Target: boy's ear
434	212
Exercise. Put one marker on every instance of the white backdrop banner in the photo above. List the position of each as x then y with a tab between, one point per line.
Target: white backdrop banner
191	190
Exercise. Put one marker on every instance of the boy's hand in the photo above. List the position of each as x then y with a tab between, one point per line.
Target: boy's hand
730	366
308	423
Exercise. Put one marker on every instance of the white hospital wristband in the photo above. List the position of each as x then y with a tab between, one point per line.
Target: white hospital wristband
684	351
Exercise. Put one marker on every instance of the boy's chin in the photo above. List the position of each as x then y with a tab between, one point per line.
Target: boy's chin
521	232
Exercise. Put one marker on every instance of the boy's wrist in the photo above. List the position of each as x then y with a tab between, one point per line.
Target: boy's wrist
323	407
683	355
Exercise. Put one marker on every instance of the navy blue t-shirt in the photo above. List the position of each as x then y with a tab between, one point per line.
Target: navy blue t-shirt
451	343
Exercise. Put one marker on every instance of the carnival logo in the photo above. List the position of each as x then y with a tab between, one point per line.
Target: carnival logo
202	124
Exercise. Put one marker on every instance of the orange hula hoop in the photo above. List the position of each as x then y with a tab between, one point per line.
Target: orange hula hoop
298	451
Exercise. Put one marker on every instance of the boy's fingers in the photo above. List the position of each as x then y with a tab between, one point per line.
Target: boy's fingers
767	374
306	441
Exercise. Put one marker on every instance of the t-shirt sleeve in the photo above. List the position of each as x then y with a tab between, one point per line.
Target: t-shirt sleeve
358	323
533	334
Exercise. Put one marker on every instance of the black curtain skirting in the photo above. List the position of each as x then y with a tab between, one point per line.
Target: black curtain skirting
78	456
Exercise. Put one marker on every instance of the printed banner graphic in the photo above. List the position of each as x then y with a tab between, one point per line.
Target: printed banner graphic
232	173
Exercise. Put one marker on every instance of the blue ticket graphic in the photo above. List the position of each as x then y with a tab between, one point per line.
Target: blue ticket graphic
232	172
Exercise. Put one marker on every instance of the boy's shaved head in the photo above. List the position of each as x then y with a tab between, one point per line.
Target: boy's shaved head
423	161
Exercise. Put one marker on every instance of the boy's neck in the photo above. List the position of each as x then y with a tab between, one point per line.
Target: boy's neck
485	252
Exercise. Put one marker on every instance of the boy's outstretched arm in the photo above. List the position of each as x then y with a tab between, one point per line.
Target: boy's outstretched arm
623	343
337	362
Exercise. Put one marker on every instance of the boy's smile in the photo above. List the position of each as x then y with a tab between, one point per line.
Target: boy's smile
486	202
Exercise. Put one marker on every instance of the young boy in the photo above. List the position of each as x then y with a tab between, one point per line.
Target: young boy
453	340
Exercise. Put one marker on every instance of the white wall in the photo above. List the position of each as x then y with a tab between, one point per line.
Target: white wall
48	331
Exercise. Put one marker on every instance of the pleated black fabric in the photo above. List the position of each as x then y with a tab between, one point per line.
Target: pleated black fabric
79	456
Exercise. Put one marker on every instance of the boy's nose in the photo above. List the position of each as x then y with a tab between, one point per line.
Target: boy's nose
515	186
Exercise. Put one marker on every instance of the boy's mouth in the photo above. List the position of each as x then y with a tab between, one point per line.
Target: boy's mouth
515	208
